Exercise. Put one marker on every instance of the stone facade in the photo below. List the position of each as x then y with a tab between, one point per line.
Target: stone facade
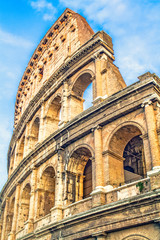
75	174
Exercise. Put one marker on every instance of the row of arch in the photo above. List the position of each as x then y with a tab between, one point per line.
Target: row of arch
79	179
54	115
46	196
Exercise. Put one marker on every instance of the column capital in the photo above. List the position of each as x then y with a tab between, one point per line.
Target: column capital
98	127
33	168
65	81
99	234
149	101
93	78
17	184
7	199
146	103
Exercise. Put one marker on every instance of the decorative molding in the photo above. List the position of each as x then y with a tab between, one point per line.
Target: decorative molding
112	154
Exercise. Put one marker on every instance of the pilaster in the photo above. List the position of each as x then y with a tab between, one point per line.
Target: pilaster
152	133
64	108
41	125
3	237
56	211
32	200
98	156
15	215
100	69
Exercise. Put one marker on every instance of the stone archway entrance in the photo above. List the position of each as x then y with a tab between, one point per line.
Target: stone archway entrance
125	156
79	175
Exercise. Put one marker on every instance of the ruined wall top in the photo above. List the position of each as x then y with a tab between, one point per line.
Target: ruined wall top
66	35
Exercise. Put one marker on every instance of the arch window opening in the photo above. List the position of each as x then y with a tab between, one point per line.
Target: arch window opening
21	151
82	94
126	156
79	182
134	160
53	116
46	194
87	181
10	217
88	97
24	207
34	132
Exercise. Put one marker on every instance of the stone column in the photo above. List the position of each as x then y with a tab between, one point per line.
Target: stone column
15	214
11	164
100	69
64	108
81	177
98	194
98	156
15	158
147	155
26	145
59	185
75	105
152	133
41	124
56	211
32	200
77	188
98	77
5	220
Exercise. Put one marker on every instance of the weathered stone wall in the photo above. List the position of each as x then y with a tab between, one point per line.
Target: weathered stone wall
56	146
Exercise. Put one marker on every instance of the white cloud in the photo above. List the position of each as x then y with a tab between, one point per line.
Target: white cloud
46	8
14	40
48	17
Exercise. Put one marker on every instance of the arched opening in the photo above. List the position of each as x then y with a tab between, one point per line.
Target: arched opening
20	151
24	206
88	96
33	138
79	178
134	168
10	217
87	181
79	98
125	156
12	163
46	193
53	116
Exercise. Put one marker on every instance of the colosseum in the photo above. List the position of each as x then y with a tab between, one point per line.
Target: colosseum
76	173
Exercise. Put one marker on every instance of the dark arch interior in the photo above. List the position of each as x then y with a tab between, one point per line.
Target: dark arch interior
87	181
134	162
81	84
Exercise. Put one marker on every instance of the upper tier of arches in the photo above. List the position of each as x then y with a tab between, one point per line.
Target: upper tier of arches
60	42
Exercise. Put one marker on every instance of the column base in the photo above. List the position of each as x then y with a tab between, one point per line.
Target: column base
154	171
28	226
154	176
11	236
56	213
61	124
98	100
108	188
98	196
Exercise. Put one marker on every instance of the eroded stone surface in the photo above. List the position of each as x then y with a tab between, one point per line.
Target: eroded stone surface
77	174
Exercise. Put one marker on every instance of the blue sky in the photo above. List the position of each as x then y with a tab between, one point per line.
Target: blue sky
133	25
